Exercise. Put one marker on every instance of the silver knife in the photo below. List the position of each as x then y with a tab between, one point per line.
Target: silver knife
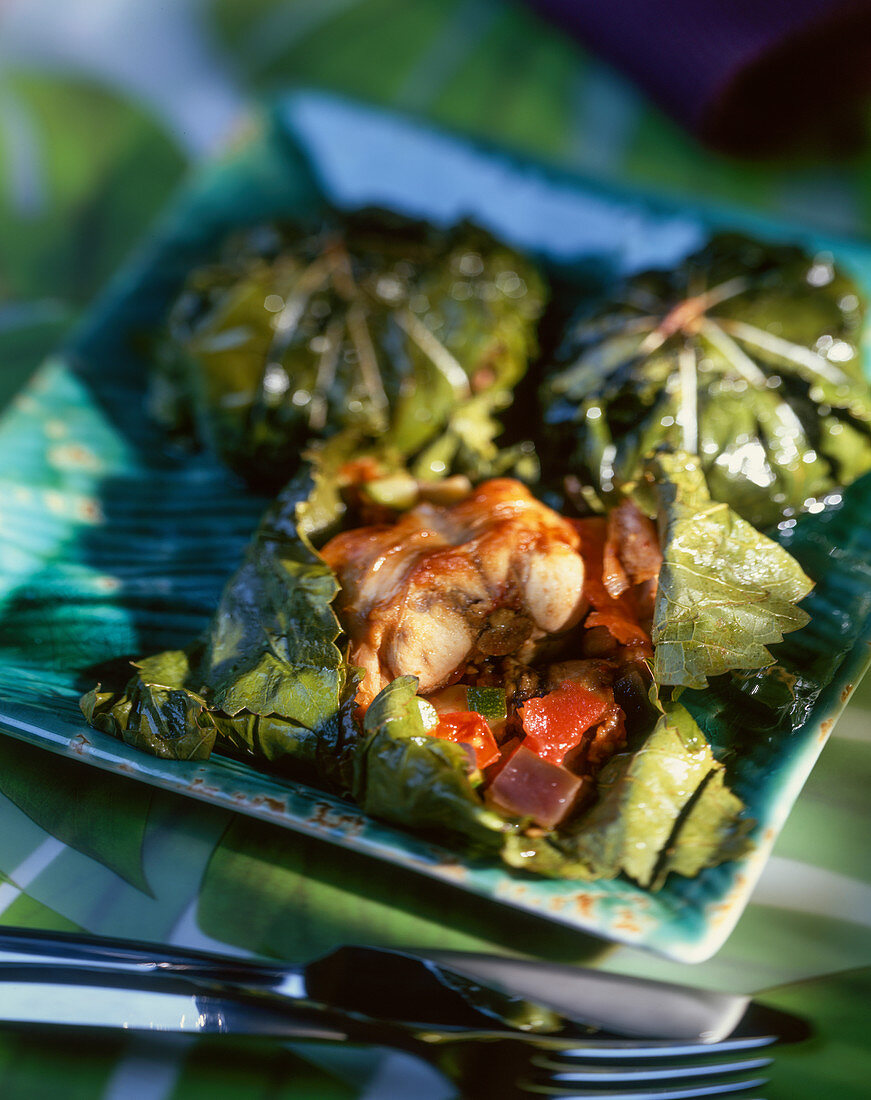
615	1002
443	988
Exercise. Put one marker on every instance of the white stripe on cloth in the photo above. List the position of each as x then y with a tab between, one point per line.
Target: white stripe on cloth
149	1070
791	884
29	869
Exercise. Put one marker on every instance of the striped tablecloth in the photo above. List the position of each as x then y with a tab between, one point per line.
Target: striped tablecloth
102	107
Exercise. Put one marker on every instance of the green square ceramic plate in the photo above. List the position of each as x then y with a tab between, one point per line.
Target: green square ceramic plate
110	545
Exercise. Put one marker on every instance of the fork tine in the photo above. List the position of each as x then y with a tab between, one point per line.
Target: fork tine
560	1073
531	1089
636	1050
527	1071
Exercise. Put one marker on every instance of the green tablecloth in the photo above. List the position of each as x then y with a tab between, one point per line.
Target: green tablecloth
102	108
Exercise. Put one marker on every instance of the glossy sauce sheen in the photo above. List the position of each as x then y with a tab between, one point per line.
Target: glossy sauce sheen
422	596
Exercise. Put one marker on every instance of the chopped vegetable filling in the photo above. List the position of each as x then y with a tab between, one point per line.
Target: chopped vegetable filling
476	599
469	728
555	723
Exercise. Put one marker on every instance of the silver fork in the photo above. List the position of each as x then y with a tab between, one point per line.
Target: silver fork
484	1065
484	1068
83	982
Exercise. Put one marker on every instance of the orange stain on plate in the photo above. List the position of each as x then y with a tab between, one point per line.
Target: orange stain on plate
718	913
90	511
273	804
724	910
627	922
329	818
74	456
201	785
451	869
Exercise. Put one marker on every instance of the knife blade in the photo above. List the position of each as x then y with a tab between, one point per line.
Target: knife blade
614	1002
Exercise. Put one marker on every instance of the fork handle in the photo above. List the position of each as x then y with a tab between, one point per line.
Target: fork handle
160	1003
49	949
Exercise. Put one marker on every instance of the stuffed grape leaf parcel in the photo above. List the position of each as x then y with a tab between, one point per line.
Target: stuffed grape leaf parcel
365	323
746	354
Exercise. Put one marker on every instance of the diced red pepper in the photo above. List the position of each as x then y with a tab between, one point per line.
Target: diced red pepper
528	786
557	722
469	728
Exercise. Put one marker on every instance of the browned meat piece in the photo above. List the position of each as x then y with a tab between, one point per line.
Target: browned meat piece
520	682
594	675
443	585
610	737
631	555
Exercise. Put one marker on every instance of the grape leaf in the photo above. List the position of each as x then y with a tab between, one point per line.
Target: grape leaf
725	593
404	776
267	679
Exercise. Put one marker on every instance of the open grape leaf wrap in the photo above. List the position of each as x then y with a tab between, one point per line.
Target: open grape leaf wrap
423	355
747	354
267	679
269	682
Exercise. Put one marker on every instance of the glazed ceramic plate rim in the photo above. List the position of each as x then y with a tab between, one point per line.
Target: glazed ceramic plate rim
616	910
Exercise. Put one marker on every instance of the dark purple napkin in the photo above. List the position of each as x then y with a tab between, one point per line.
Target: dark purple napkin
749	76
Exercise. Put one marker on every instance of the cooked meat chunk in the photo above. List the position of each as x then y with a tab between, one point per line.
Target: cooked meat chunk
445	585
631	553
594	675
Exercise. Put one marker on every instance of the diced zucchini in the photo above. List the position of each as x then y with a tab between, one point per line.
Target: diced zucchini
489	702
